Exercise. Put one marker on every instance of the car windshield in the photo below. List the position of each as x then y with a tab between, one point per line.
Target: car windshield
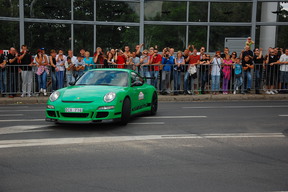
105	78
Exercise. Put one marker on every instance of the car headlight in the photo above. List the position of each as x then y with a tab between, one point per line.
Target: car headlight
54	96
109	97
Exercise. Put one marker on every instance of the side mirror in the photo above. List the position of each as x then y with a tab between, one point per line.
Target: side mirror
137	83
72	83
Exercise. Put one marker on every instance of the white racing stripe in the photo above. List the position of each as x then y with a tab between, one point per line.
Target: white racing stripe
91	140
237	107
173	117
283	115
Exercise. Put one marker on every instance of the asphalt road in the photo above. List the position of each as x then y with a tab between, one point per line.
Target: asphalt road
195	146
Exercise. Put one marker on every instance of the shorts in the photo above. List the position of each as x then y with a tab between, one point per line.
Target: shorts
284	76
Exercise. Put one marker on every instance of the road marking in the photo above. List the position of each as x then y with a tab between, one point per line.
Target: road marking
148	123
23	120
173	117
283	115
237	107
11	115
24	110
23	129
91	140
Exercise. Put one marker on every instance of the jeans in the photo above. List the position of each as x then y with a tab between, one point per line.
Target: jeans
154	75
60	79
42	81
204	80
69	78
78	74
165	81
3	81
177	80
258	78
238	83
188	82
247	80
54	81
215	82
12	84
146	73
27	79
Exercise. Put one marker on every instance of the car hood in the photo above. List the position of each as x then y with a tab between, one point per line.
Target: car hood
88	93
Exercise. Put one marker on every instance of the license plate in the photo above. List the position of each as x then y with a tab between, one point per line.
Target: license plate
74	110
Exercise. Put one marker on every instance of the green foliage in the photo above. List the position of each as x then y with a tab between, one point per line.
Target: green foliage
50	36
48	9
231	12
9	8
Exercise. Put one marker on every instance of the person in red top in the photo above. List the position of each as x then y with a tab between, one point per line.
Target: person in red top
191	75
155	60
99	58
121	60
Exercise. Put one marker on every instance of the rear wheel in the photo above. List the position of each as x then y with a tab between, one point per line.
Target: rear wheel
154	104
126	111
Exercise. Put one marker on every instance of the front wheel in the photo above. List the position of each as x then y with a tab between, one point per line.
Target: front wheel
126	112
154	104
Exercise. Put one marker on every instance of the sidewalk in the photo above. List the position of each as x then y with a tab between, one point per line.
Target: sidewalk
161	98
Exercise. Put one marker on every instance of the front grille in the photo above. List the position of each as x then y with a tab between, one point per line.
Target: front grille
75	115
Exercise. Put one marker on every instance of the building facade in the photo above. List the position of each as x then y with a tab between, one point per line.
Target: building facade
76	24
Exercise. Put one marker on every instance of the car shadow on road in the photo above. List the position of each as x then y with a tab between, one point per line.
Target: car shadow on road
97	127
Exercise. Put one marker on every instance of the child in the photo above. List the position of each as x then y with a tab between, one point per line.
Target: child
79	67
238	75
69	71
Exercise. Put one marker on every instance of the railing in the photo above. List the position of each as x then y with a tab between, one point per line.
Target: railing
169	79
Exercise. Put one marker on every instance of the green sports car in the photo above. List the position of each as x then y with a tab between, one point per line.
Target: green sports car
102	94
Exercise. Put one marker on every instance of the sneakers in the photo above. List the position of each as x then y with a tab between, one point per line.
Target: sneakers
41	90
44	91
270	93
234	92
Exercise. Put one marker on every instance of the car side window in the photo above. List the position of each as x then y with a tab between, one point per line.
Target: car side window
135	77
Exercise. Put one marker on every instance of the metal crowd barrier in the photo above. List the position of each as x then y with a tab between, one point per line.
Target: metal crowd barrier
263	78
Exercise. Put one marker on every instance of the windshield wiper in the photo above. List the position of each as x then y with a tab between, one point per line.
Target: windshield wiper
105	84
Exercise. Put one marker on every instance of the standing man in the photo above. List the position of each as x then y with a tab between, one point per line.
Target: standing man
189	78
25	60
155	60
283	61
13	58
3	79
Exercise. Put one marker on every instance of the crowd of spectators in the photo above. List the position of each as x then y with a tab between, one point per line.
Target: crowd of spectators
190	71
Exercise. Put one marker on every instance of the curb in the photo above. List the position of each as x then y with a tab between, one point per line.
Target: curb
162	98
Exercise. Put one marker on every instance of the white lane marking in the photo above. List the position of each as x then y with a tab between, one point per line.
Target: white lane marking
236	107
16	106
148	123
23	120
11	115
91	140
24	110
283	115
23	129
174	117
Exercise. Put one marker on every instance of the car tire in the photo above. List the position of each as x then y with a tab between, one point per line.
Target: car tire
126	112
154	104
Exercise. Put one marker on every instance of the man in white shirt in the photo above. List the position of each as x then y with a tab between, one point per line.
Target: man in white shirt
283	61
